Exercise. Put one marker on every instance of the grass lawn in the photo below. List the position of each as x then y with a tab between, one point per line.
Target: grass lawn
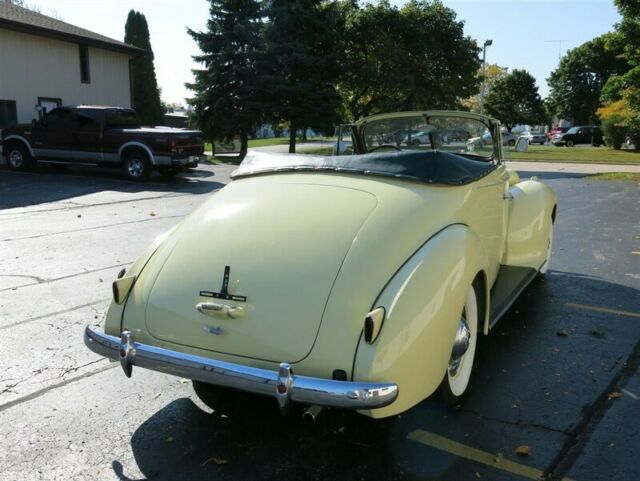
595	155
633	176
271	141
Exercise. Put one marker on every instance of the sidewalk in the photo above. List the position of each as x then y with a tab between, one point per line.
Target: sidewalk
570	168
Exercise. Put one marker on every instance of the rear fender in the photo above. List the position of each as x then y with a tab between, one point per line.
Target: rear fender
530	219
423	303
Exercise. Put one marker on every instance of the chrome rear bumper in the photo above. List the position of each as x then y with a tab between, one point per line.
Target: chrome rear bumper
282	384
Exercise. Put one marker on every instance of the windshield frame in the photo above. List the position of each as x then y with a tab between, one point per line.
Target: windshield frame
492	125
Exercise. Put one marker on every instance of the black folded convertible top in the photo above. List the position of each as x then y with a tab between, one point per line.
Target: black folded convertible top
433	166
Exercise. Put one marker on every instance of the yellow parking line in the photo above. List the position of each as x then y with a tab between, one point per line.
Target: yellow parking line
445	444
602	309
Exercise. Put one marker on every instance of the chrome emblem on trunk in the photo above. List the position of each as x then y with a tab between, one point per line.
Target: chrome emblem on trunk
213	330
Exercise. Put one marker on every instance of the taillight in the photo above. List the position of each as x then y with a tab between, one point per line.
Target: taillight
173	146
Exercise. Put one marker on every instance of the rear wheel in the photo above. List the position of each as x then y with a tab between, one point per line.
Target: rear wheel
511	143
136	165
456	379
18	157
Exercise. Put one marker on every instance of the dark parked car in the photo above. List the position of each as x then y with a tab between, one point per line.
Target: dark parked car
587	134
91	135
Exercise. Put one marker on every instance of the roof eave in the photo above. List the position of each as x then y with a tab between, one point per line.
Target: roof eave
67	37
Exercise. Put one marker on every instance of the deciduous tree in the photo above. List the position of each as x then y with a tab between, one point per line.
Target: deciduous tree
576	85
416	57
146	96
514	99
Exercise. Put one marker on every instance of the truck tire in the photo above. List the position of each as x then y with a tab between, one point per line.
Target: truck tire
18	157
136	165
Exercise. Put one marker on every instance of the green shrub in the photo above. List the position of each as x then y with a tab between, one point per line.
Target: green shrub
614	131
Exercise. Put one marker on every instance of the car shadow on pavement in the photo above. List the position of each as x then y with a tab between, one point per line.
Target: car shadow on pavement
18	189
533	378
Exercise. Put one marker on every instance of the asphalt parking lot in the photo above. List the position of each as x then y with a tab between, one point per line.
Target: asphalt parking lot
558	374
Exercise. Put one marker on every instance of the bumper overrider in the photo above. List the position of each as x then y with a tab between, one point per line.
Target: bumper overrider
282	384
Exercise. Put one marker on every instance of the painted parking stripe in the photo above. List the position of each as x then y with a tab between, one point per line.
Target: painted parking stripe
463	451
602	309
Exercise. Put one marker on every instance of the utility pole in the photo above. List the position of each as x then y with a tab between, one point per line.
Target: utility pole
559	42
487	43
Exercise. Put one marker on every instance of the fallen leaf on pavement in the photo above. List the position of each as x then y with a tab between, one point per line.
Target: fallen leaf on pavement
523	450
614	395
169	439
184	381
562	333
152	214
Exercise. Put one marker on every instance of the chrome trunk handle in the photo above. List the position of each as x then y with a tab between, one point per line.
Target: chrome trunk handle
220	310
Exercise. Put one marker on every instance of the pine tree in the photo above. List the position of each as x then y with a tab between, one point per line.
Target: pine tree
299	68
146	96
226	98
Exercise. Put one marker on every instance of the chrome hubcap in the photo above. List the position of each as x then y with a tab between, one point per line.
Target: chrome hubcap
460	347
15	158
135	167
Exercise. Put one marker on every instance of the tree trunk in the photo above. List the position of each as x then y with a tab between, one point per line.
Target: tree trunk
292	139
244	145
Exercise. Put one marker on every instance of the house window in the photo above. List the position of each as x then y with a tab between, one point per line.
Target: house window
85	76
8	113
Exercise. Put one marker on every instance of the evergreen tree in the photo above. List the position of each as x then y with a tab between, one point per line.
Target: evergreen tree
146	96
514	99
226	96
299	67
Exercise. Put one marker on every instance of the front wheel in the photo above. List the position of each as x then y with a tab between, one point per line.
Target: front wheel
511	143
456	379
569	143
18	157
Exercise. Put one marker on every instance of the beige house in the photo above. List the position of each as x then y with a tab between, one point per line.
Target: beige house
45	63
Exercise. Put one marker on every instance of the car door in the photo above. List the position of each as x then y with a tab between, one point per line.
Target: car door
87	134
53	138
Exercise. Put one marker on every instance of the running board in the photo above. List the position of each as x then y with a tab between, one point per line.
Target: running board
65	162
511	281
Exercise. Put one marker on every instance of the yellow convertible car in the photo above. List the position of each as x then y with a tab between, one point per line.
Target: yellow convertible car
360	280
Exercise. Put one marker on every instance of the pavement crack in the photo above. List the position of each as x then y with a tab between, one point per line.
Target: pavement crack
51	314
39	280
68	276
42	392
86	229
592	415
514	423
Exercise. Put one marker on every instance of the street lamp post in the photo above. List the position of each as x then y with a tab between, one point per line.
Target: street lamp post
487	43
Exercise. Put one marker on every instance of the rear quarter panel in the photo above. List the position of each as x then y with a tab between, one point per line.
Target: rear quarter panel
530	220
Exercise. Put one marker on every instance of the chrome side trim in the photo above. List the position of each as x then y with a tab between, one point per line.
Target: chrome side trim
282	384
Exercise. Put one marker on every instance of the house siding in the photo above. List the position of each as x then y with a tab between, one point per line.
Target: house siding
32	66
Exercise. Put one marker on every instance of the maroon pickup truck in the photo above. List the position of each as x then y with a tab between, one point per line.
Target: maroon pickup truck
92	135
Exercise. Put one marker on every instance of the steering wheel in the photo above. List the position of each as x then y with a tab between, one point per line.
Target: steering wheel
385	146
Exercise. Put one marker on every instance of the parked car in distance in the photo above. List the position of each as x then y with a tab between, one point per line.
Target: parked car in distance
96	135
535	137
555	131
364	284
587	134
486	139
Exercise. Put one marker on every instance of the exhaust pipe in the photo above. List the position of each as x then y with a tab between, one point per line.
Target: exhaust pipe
310	414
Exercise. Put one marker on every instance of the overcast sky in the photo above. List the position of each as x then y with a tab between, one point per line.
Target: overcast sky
524	32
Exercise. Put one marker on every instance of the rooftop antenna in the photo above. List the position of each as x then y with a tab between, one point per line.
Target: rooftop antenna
559	42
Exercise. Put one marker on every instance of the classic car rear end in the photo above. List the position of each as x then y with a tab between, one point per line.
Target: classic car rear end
355	282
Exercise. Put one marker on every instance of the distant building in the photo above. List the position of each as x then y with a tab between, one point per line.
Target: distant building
45	63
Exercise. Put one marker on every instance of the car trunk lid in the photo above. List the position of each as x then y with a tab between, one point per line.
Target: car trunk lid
279	245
